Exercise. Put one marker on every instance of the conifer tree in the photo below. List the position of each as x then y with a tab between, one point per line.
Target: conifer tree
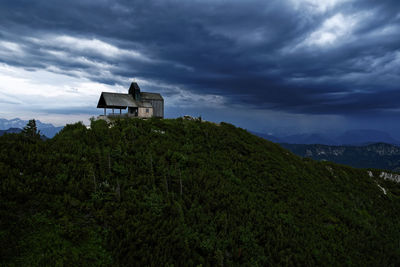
31	130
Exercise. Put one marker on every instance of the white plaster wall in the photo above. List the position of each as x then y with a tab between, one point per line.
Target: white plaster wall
142	112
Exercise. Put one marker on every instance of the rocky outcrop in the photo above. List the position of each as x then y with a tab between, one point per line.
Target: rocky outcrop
390	176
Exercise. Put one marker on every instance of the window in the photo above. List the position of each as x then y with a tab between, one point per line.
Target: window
147	110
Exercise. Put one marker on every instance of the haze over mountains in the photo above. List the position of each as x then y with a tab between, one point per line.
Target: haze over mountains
377	156
11	130
356	148
15	125
351	137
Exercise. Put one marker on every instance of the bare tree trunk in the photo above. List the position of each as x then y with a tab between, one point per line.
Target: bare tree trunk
109	164
152	170
166	184
180	180
94	179
170	183
118	191
95	183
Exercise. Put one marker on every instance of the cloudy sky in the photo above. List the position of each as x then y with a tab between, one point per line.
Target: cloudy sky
285	66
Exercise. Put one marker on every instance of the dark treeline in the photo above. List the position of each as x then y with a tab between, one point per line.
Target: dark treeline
185	193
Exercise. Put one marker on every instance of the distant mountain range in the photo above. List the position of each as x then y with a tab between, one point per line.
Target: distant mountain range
356	148
378	156
11	130
352	137
16	125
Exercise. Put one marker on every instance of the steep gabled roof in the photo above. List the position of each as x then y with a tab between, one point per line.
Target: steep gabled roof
150	96
115	100
120	101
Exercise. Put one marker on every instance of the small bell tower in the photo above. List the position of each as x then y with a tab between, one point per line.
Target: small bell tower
134	90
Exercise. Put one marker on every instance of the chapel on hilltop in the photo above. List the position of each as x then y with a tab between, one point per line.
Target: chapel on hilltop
139	104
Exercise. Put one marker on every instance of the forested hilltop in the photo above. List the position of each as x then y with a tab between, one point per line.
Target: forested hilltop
186	193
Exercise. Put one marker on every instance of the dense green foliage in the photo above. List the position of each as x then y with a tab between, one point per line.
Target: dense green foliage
378	156
176	192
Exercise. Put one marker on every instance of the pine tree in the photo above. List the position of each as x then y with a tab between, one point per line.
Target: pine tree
31	130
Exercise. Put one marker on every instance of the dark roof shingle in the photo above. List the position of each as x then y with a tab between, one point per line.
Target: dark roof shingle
116	100
150	96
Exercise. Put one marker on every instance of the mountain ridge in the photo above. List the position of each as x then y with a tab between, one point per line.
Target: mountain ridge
47	129
10	130
357	137
377	155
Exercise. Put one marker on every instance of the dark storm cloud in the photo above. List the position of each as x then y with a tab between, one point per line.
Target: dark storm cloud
266	54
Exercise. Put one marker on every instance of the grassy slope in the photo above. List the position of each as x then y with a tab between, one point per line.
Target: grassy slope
162	192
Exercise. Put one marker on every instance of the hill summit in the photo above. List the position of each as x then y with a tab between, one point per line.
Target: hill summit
176	192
